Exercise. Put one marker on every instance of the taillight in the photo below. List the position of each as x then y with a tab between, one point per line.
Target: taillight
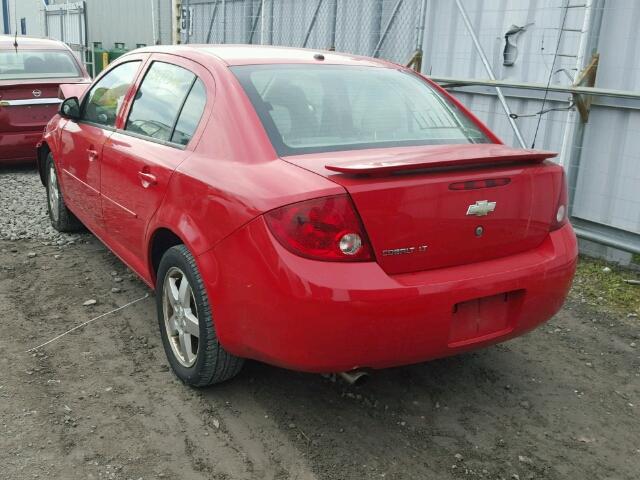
561	213
325	228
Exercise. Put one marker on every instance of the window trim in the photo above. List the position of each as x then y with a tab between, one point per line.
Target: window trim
167	143
86	96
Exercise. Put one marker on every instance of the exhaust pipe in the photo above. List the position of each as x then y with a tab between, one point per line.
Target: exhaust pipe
355	377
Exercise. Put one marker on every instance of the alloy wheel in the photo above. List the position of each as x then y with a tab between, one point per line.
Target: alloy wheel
53	193
180	317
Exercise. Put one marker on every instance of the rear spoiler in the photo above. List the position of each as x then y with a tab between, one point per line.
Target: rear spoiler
440	156
67	90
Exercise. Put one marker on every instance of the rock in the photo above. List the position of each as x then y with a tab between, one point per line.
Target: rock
525	459
115	290
117	279
525	404
216	423
458	457
90	302
606	270
32	254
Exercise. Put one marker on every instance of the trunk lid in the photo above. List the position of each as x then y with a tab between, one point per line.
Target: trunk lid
27	106
439	206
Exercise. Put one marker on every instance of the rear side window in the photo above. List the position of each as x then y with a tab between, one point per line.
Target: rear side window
106	96
159	102
28	64
190	114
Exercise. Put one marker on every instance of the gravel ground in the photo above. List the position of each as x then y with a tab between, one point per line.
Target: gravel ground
101	403
23	209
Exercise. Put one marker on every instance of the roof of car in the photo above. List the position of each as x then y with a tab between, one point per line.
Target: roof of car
7	42
263	54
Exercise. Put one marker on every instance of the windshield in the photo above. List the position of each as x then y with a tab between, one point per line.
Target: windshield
27	64
320	108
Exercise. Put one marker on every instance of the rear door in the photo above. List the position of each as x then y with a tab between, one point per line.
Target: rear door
140	157
82	141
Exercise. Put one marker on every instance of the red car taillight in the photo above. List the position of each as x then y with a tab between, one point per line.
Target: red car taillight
325	228
561	212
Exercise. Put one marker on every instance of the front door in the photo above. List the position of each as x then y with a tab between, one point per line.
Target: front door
82	141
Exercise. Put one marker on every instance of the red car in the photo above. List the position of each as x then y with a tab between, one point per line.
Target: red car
31	69
317	211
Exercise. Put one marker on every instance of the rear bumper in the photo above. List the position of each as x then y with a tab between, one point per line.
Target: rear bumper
273	306
19	147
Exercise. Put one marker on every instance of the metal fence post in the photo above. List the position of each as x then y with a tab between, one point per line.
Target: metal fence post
270	36
376	26
383	36
420	37
312	23
333	19
224	21
211	22
487	66
254	24
570	160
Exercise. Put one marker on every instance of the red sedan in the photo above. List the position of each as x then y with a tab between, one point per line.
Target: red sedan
317	211
31	69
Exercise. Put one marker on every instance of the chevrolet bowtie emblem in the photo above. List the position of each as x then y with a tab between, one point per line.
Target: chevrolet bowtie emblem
481	208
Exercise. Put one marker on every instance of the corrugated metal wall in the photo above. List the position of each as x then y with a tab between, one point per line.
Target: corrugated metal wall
128	21
609	169
608	189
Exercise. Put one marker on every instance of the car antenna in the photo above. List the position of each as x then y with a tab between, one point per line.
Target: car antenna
15	13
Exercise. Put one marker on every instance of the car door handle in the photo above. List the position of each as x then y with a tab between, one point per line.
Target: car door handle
92	154
147	179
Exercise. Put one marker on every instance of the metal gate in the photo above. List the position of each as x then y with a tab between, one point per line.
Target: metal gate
66	22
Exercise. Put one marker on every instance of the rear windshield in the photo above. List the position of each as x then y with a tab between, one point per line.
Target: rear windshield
322	108
15	65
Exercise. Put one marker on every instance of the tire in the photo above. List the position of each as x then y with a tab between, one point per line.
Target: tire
200	361
62	219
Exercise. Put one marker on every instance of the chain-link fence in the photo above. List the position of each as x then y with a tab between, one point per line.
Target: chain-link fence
389	29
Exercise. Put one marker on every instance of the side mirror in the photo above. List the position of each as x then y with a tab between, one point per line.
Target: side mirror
70	108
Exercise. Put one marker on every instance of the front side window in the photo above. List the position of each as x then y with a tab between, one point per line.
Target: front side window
103	102
159	101
319	108
30	64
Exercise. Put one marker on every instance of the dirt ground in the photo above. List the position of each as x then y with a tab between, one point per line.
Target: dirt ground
100	403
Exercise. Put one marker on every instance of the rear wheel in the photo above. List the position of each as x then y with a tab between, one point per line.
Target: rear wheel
61	217
186	324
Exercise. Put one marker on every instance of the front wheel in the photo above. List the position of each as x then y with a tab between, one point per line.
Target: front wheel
186	325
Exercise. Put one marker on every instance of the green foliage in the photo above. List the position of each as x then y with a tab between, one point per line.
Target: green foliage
608	289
